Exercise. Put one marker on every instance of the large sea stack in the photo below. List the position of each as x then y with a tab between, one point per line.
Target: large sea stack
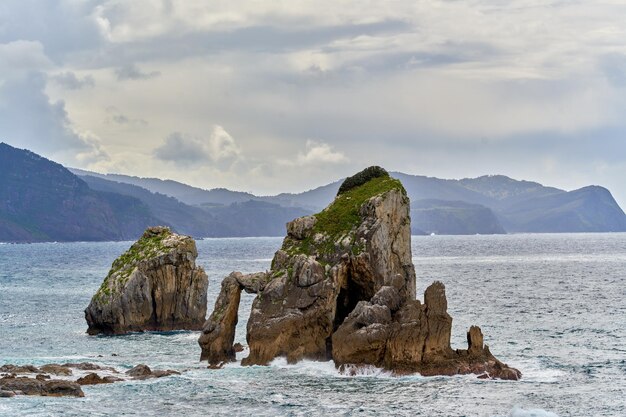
154	285
342	287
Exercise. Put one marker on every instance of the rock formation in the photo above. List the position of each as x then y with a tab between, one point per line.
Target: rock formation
342	287
218	332
13	385
19	380
154	285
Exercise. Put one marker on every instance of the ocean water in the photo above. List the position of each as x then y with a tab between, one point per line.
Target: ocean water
554	306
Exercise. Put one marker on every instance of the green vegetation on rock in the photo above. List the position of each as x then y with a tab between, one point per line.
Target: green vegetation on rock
361	178
150	245
340	219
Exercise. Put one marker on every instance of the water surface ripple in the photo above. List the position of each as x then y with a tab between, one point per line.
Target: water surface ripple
553	306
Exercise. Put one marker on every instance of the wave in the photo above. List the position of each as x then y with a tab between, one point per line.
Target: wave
321	369
533	412
536	370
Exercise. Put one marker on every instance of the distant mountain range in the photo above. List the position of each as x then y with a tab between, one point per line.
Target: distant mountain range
485	205
41	200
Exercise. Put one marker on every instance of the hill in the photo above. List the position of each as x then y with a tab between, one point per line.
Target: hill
247	218
40	200
518	206
444	217
182	192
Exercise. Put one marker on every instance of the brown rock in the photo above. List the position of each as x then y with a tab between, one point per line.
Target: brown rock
19	369
238	347
388	296
475	341
56	369
139	370
6	394
362	337
299	228
87	366
439	322
218	333
142	371
155	285
343	287
167	372
95	379
322	272
32	386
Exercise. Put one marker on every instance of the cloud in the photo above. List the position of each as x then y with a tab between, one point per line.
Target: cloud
20	57
183	148
320	153
70	81
221	145
614	67
66	29
114	116
412	87
131	72
29	119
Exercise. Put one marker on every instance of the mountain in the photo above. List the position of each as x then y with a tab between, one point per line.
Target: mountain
248	218
181	217
589	209
256	218
444	217
184	193
494	204
518	206
40	200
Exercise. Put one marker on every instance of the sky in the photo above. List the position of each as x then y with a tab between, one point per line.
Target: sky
284	96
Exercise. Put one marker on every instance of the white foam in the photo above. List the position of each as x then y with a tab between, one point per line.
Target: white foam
534	371
533	412
328	369
307	367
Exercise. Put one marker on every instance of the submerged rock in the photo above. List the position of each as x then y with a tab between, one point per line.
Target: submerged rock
342	287
154	285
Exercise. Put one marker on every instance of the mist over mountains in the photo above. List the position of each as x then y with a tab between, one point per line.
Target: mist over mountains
41	200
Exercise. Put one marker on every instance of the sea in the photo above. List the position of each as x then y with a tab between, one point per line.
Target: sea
551	305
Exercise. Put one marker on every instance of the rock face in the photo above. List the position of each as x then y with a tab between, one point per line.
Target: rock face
342	287
218	332
155	285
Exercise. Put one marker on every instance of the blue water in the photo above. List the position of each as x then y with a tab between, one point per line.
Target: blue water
553	306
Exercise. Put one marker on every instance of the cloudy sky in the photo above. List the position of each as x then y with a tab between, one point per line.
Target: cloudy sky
286	95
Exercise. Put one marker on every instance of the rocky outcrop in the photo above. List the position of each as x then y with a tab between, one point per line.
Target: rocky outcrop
342	287
218	333
33	386
95	379
416	339
18	380
142	371
155	285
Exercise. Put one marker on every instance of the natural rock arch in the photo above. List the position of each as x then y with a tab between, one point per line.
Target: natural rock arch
342	286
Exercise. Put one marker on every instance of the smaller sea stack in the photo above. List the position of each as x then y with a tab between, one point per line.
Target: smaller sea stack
154	285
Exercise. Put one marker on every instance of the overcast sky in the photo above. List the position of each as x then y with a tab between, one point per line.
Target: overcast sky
272	96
